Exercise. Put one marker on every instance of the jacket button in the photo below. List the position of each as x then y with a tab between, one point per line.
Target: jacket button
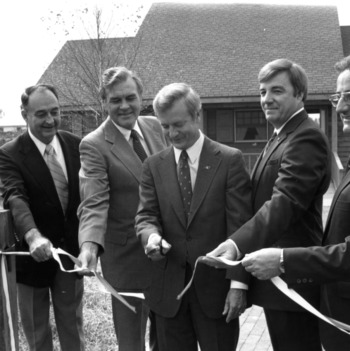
311	280
298	281
304	280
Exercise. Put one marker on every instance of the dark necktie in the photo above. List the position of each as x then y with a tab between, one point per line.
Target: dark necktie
58	176
269	143
184	176
138	148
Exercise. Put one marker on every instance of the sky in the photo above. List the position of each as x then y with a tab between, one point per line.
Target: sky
33	32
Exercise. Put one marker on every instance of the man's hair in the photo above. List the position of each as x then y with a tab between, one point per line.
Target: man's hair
296	73
30	90
168	95
115	75
343	64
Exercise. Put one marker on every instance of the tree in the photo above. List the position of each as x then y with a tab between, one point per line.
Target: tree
77	69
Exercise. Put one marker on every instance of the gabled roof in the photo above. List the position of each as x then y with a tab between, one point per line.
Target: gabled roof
220	48
78	62
345	35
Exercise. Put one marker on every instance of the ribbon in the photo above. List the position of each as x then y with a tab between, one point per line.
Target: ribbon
7	301
220	262
55	254
216	262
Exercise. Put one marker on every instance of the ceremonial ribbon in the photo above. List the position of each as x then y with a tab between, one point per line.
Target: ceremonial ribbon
7	301
55	254
220	262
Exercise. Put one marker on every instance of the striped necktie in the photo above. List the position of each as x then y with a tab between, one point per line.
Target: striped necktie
138	148
57	175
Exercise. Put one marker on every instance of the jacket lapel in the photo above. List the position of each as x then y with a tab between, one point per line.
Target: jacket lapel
208	164
345	182
262	161
72	160
121	149
37	168
152	137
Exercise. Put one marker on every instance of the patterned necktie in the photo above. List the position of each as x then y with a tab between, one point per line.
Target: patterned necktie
269	143
184	176
138	148
57	175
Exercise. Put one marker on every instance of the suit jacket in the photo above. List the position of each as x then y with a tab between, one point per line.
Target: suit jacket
288	187
30	194
221	203
328	265
109	183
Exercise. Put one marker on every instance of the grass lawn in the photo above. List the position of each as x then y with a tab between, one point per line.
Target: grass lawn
98	323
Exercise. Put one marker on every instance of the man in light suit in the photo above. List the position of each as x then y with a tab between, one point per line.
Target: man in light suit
192	196
44	214
289	180
109	183
329	265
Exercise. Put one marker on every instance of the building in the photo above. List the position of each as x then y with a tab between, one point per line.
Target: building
219	50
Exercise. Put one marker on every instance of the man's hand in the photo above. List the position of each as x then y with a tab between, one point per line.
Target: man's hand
235	304
263	264
156	247
40	247
227	250
88	258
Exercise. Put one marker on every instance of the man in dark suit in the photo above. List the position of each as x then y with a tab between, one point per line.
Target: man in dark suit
289	180
39	170
111	165
320	265
192	196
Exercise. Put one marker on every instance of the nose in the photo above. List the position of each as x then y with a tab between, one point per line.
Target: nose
172	132
342	106
124	104
267	98
49	118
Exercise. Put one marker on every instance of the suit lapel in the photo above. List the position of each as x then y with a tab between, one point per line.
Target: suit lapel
168	173
262	161
37	168
121	149
344	183
72	161
208	164
152	137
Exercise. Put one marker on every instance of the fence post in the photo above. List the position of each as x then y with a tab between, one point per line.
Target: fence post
8	301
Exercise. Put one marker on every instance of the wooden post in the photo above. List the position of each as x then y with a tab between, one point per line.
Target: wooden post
9	334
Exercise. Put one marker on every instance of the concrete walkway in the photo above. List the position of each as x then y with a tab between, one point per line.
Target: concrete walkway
254	335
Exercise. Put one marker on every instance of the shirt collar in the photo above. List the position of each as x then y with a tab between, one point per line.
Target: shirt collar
126	132
277	131
193	152
42	146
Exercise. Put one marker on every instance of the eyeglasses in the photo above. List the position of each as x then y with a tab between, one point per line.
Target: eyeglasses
334	99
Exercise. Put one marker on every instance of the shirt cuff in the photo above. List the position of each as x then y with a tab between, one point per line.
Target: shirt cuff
238	285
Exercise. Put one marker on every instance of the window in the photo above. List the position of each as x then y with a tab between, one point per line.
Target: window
251	126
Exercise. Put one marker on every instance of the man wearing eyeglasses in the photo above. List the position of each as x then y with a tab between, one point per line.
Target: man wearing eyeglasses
328	265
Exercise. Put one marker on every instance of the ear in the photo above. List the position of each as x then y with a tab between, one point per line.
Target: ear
24	114
300	96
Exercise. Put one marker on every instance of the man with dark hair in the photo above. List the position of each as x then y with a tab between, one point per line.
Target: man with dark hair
289	180
39	171
192	196
329	265
111	164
